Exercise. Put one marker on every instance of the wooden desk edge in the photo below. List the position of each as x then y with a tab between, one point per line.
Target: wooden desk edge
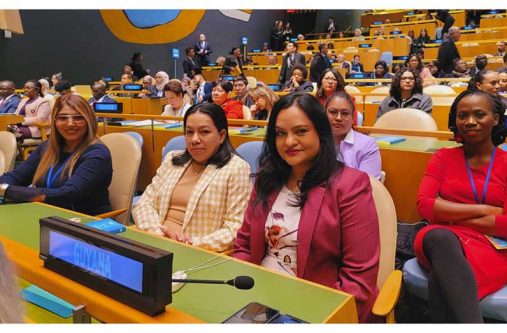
30	268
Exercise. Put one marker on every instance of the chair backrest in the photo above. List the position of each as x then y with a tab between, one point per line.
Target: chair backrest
2	163
387	56
437	89
247	114
380	90
8	146
410	119
351	89
126	157
250	152
176	143
138	137
386	213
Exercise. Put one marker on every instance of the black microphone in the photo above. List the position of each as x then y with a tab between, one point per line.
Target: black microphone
240	282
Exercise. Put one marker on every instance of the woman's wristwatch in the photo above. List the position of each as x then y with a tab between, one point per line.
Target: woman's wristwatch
3	188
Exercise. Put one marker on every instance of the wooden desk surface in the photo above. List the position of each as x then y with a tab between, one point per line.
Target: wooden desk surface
193	303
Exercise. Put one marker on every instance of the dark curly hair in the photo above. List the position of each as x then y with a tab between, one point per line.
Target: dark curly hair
499	132
395	87
274	171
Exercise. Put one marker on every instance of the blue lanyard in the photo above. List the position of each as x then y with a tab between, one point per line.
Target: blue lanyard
51	178
486	182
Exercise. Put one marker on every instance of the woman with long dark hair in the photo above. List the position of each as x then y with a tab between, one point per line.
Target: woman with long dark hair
406	92
329	82
462	195
309	215
199	194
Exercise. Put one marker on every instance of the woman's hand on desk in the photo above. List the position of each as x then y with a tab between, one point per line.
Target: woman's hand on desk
178	236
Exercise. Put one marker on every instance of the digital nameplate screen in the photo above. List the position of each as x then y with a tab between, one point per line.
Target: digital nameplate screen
128	271
106	106
135	87
104	263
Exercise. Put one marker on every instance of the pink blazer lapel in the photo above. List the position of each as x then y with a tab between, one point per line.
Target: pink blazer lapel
307	225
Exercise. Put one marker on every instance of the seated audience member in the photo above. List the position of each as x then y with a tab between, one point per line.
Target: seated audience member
414	61
220	61
330	81
45	90
220	91
297	81
502	82
486	80
357	67
63	87
319	63
464	266
148	83
406	92
125	79
55	78
309	215
189	88
355	149
504	68
434	68
205	187
240	86
272	60
481	61
72	169
203	92
99	95
35	108
460	69
341	63
264	99
381	72
128	70
175	104
501	49
233	62
11	309
423	38
161	79
358	35
9	100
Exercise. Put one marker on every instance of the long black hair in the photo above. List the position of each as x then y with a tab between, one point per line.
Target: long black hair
499	132
274	172
224	153
395	86
339	78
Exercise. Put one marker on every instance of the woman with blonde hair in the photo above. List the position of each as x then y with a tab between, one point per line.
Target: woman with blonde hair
264	99
72	169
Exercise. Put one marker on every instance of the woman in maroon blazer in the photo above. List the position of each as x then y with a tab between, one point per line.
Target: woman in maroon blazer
309	215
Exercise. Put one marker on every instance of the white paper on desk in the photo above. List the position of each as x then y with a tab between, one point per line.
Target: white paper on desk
145	123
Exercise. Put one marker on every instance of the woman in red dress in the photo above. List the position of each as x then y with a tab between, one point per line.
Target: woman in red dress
463	195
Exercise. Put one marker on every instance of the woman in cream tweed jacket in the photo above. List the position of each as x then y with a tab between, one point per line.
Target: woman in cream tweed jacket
218	200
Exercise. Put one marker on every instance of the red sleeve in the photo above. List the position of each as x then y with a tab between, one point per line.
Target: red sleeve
360	244
242	248
430	186
501	220
233	109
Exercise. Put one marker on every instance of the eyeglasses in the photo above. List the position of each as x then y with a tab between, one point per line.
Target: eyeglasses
407	78
332	79
65	118
344	114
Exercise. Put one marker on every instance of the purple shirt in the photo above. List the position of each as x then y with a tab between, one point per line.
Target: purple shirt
361	152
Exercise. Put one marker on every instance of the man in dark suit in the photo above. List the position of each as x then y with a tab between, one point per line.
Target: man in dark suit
203	93
190	66
319	63
203	50
99	94
291	58
233	63
448	51
9	100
